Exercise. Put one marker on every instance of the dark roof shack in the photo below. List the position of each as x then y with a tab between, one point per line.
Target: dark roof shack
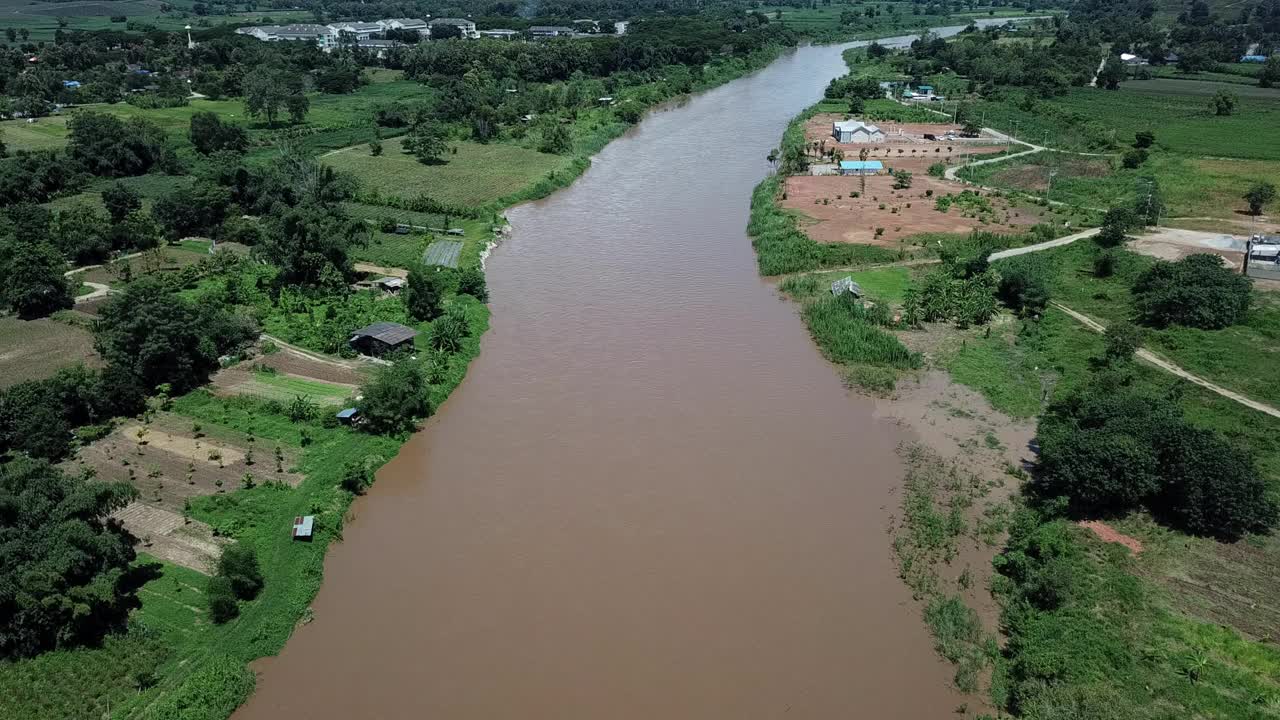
386	332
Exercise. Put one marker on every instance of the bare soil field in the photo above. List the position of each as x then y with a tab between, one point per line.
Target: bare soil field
844	218
1175	244
35	349
346	372
1035	177
168	536
169	464
904	147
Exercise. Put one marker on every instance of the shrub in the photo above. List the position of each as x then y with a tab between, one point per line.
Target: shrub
1196	291
239	565
1104	264
221	599
1134	158
471	282
1122	340
937	170
394	399
356	477
448	332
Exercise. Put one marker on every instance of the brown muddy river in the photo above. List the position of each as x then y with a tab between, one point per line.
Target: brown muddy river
651	498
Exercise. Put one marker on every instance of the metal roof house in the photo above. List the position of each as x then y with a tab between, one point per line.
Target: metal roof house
382	338
303	525
357	30
415	24
856	131
391	284
861	167
846	285
323	36
500	34
348	416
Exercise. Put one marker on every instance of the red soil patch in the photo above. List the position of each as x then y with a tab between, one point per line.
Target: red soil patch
854	220
1106	533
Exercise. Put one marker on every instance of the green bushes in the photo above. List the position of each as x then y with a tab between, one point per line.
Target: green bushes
1110	448
942	296
239	565
212	692
847	333
1196	291
394	399
221	599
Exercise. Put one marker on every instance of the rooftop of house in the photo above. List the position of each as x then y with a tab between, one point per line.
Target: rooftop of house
358	26
451	21
413	22
854	126
551	28
387	332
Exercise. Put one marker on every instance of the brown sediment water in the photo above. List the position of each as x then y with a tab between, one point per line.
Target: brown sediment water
651	497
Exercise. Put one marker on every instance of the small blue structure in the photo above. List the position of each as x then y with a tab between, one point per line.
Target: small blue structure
925	88
1253	59
348	415
71	84
861	167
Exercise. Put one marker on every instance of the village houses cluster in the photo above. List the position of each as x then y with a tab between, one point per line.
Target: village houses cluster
378	35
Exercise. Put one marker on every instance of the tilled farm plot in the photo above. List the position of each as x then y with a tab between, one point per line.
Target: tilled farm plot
169	465
168	536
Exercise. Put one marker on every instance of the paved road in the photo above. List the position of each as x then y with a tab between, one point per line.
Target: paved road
99	290
1150	357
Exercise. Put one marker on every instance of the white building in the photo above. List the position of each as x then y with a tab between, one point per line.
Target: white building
550	31
466	27
414	24
357	31
500	34
856	131
324	37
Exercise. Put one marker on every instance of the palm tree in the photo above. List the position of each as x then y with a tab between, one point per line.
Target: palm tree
863	154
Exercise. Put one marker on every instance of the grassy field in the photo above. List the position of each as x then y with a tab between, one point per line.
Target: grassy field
275	386
473	175
35	349
1189	186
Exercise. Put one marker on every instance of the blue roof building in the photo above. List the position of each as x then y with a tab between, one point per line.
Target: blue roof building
1253	59
71	84
861	167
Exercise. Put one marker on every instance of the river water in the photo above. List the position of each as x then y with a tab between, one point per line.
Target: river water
651	497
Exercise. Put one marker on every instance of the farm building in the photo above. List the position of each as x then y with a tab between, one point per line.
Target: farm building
391	284
861	167
856	131
382	338
348	416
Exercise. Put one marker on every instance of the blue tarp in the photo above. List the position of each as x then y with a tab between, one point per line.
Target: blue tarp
861	165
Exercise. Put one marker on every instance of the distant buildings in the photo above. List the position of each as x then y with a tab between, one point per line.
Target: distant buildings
550	31
422	27
372	35
323	36
465	27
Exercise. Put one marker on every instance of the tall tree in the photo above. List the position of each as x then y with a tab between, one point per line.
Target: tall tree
264	94
1259	195
209	134
120	200
31	279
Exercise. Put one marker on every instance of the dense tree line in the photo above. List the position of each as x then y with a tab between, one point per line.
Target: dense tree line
66	574
1111	448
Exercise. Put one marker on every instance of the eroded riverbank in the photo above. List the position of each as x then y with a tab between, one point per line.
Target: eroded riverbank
651	497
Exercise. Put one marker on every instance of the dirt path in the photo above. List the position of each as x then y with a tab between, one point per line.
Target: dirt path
380	270
316	357
100	290
1047	245
1172	369
1101	64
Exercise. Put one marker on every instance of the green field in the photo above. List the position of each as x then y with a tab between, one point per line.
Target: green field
275	386
472	176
